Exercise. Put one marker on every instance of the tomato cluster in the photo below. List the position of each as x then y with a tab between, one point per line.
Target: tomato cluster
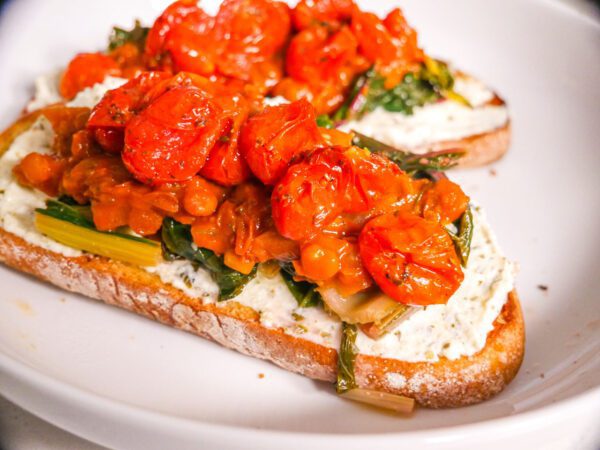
312	51
188	137
351	193
335	41
243	41
343	215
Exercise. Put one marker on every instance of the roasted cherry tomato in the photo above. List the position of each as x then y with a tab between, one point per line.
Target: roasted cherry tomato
366	184
310	195
392	45
170	140
406	36
411	259
312	12
376	42
443	201
182	39
225	164
118	106
252	33
272	138
85	70
325	98
321	65
316	55
378	185
252	27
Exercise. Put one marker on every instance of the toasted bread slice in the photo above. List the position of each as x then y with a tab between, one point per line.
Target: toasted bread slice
480	149
483	143
446	383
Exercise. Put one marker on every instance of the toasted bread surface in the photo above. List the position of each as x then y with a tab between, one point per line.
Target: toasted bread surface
445	383
480	149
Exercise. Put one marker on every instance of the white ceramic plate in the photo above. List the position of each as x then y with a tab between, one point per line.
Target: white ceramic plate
126	382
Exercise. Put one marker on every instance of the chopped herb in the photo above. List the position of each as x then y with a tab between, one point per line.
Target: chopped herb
297	317
137	36
462	238
177	241
346	358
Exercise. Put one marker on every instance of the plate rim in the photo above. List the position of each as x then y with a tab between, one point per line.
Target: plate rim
511	424
36	379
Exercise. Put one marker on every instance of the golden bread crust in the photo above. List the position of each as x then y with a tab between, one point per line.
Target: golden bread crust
446	383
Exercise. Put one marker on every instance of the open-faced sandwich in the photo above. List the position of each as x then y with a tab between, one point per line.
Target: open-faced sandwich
183	198
359	71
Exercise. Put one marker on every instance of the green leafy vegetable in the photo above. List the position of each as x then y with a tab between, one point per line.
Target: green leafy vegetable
350	106
431	83
404	97
177	241
80	216
462	238
72	226
410	162
137	35
324	121
303	291
346	357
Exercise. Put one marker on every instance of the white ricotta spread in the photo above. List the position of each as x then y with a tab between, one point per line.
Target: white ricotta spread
17	204
437	122
89	96
458	328
46	92
453	330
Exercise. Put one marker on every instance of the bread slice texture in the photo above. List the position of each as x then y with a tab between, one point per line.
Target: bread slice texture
445	383
480	149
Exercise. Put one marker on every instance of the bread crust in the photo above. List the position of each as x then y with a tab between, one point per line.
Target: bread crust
446	383
480	149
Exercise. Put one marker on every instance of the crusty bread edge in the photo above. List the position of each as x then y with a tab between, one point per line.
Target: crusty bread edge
446	383
480	149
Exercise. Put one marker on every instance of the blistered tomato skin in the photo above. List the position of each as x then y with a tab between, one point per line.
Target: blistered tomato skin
316	55
85	70
321	64
310	195
375	40
225	164
272	138
170	140
443	201
378	184
408	48
332	12
109	117
252	27
411	259
119	105
182	39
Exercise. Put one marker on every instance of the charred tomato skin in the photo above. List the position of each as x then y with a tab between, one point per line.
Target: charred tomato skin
170	140
411	259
